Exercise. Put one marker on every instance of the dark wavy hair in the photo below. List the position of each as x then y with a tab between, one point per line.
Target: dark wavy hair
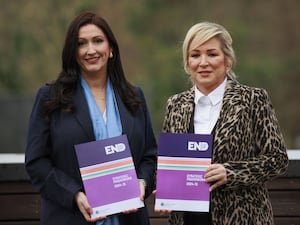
63	87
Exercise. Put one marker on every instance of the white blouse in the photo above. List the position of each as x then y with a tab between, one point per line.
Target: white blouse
207	109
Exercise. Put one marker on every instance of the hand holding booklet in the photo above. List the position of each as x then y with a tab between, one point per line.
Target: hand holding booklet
109	176
182	161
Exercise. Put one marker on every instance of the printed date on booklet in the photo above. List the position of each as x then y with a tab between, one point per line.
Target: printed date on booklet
194	179
120	181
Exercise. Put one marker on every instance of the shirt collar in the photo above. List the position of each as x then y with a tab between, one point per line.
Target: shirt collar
215	96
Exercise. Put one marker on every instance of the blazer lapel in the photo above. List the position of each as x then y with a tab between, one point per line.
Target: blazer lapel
187	107
126	117
82	112
232	99
83	116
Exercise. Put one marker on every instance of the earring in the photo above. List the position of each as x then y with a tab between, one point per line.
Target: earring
110	55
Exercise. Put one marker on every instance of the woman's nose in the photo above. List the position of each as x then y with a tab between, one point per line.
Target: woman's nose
203	61
91	49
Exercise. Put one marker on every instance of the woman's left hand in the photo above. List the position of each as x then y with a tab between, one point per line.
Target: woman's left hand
161	212
216	175
142	185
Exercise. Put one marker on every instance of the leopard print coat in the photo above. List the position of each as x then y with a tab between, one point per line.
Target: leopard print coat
248	142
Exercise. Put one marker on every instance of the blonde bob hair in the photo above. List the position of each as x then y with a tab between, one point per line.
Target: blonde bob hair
202	32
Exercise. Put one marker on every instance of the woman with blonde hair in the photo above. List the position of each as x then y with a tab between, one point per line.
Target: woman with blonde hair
248	147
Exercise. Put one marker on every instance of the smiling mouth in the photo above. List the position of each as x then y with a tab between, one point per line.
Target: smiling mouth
92	60
204	73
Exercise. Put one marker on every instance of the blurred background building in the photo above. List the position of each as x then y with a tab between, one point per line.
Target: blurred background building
266	38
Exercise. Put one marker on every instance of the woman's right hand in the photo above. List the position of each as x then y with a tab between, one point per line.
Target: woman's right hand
85	208
161	212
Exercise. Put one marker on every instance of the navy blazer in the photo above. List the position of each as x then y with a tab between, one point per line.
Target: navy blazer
51	162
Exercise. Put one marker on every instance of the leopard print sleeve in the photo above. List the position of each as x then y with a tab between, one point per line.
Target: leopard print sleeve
176	218
166	123
265	154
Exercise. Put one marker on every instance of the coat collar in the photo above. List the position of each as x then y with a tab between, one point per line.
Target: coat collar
82	114
231	97
127	119
230	93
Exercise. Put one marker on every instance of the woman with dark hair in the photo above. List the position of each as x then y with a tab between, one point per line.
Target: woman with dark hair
90	100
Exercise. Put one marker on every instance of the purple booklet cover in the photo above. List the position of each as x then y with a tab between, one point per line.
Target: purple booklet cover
182	161
109	176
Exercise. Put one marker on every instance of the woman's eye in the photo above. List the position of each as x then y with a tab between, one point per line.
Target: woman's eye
80	43
98	40
213	54
194	55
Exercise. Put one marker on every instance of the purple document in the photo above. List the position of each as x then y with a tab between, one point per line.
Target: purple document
182	161
109	176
